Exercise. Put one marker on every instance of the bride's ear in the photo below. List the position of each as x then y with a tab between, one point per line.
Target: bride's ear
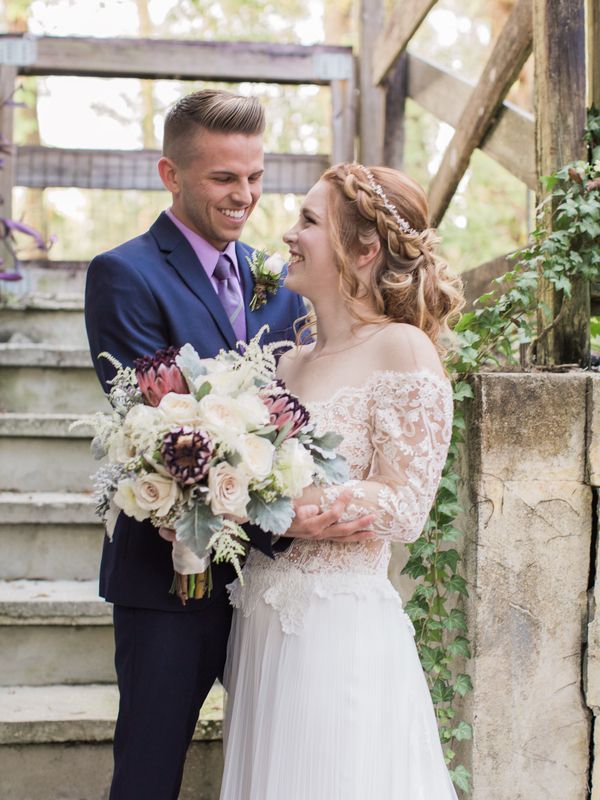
368	255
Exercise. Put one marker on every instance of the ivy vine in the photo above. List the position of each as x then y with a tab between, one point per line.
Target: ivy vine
501	328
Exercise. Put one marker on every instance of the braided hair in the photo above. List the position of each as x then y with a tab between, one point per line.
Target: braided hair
409	282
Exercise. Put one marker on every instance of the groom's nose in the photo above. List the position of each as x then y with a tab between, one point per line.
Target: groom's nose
242	193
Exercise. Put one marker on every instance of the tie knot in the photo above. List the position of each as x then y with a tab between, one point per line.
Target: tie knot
224	268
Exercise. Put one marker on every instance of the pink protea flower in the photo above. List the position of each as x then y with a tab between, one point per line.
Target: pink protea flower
158	375
186	454
284	408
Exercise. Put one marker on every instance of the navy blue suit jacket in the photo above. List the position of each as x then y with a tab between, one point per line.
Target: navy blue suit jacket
146	294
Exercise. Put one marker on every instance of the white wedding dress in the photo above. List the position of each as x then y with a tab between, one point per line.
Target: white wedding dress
327	699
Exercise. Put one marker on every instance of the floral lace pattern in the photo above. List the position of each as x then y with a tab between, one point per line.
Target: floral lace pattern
396	429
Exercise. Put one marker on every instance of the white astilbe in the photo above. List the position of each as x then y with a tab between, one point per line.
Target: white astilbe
262	357
105	484
124	391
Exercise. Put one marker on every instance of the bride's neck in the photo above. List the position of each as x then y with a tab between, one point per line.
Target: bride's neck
336	327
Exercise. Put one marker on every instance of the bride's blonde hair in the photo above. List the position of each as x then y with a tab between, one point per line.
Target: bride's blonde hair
409	282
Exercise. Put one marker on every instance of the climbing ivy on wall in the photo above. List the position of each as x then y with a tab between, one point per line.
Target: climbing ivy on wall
502	324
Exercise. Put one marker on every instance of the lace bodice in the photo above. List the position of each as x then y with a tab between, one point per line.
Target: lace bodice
396	428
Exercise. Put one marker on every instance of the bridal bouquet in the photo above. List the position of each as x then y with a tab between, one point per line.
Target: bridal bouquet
202	445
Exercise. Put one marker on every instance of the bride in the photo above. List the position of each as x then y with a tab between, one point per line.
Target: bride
327	699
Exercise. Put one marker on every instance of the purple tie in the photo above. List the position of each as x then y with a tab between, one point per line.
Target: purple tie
230	295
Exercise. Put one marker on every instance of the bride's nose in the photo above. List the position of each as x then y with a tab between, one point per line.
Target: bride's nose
290	235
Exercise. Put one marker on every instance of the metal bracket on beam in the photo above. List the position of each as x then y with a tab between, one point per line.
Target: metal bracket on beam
18	51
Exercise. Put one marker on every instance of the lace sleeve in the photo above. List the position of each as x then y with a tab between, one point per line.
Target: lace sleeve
411	422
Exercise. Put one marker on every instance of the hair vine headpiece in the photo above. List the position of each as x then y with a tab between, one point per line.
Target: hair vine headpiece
378	189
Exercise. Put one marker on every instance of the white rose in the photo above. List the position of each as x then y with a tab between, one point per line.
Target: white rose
120	448
141	426
156	493
221	416
125	498
274	264
181	409
253	410
228	490
256	453
293	467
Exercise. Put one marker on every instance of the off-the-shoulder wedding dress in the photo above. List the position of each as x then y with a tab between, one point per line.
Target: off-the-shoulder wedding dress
327	699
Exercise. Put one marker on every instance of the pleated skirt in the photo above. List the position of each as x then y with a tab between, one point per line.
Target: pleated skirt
339	710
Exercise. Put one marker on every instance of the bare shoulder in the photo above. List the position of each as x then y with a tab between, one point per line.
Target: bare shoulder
406	348
288	361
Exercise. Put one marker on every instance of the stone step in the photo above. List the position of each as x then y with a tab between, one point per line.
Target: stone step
49	536
40	452
56	743
52	321
54	632
43	378
54	281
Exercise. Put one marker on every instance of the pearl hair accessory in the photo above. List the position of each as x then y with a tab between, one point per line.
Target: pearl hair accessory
402	223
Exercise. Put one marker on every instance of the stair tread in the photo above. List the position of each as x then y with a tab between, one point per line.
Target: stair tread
46	508
36	714
52	602
45	425
43	355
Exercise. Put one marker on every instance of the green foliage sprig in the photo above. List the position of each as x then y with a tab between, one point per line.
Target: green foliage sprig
489	336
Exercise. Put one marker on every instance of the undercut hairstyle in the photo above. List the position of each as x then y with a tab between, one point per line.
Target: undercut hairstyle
210	110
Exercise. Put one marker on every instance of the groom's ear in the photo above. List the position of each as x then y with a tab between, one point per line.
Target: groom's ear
168	174
368	255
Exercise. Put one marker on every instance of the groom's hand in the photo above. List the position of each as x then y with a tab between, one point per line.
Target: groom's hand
311	523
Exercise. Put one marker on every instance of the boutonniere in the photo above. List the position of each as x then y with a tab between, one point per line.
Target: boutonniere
266	272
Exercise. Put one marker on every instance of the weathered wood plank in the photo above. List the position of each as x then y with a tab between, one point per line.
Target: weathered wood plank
560	105
343	121
479	280
8	75
372	98
512	140
40	167
396	33
592	26
508	56
187	60
395	103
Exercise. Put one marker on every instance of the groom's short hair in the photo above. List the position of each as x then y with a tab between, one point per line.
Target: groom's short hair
212	110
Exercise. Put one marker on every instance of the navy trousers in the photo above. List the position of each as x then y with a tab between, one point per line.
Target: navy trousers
166	664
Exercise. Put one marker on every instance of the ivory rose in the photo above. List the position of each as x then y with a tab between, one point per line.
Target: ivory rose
274	264
256	453
293	468
156	493
126	499
181	409
228	490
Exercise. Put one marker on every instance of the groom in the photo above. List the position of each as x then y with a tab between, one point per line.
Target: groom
185	280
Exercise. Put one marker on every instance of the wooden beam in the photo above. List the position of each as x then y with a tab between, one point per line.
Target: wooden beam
42	167
372	98
511	142
8	76
592	26
396	33
343	121
395	103
479	280
185	60
560	105
508	56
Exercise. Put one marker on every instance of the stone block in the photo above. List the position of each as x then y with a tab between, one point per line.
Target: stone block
51	323
527	567
45	464
40	389
593	449
37	508
523	426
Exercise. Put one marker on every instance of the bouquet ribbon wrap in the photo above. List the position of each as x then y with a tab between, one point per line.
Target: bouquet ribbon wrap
185	562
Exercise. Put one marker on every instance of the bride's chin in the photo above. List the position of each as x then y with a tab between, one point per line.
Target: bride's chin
293	283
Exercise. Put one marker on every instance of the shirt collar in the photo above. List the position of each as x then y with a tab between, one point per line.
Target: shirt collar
206	253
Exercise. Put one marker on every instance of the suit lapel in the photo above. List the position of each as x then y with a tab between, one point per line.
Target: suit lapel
254	319
180	255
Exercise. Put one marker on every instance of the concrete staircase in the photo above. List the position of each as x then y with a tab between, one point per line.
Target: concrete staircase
58	697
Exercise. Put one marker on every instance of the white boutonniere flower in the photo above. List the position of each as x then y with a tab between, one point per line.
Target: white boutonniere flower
266	271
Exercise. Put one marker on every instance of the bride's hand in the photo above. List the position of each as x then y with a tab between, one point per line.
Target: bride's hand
311	523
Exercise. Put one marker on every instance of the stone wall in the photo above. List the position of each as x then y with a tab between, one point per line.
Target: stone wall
531	452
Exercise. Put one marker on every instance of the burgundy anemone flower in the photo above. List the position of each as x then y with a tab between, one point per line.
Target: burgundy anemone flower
158	375
284	408
186	454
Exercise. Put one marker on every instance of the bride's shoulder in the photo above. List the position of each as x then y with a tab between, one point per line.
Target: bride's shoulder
405	348
289	359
